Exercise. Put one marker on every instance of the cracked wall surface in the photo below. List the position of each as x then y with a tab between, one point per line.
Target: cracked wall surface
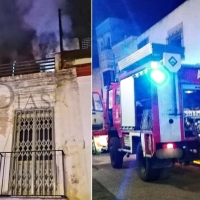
63	91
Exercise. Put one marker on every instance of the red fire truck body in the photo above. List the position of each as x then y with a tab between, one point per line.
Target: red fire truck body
154	111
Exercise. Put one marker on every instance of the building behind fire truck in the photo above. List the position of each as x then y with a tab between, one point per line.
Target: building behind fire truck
177	28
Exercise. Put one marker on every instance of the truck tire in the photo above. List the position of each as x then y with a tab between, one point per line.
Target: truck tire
144	166
116	157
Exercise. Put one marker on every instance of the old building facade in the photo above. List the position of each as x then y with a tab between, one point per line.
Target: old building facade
45	149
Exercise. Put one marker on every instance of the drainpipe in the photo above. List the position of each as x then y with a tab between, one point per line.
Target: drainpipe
61	37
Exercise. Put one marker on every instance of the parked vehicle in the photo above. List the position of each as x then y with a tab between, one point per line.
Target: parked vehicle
154	111
99	127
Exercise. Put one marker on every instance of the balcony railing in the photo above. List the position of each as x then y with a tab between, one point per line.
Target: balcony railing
32	173
105	55
27	67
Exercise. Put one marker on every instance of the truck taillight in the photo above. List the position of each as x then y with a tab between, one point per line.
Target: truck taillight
169	146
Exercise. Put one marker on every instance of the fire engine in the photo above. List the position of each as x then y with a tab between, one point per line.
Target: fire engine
154	111
99	127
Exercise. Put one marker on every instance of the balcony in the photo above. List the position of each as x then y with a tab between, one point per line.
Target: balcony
27	67
32	173
106	54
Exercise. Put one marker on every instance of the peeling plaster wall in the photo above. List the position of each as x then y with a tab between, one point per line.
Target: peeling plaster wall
60	90
85	102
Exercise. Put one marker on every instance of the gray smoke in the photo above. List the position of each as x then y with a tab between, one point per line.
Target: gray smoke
43	15
14	37
29	29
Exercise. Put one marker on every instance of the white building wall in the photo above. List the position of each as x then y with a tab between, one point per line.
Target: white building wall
124	48
64	92
96	79
84	84
188	14
122	43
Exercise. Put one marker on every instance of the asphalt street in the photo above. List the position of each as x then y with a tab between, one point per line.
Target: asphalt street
124	184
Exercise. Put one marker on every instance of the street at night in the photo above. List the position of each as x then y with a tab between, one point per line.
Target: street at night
124	184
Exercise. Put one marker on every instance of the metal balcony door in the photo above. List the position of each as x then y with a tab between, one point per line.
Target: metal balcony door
33	161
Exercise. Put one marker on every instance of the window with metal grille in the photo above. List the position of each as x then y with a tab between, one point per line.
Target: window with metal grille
33	158
175	36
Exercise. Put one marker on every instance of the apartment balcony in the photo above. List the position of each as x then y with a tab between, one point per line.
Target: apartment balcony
106	54
32	173
107	65
27	67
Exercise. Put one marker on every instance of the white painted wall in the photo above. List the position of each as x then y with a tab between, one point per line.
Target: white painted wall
124	48
84	84
188	13
96	79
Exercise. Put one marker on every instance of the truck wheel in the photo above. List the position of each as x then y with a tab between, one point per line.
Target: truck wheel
144	166
116	157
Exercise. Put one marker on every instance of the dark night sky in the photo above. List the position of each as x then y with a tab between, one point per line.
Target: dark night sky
142	13
22	21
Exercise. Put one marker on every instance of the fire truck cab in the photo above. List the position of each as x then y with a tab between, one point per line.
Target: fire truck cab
154	111
99	127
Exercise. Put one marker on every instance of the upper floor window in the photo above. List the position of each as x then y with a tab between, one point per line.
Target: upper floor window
143	43
108	77
107	43
175	36
101	46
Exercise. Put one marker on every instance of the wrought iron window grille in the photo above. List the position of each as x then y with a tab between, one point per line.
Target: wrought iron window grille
33	167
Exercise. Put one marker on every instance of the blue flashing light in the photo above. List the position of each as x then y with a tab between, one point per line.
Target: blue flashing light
158	76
